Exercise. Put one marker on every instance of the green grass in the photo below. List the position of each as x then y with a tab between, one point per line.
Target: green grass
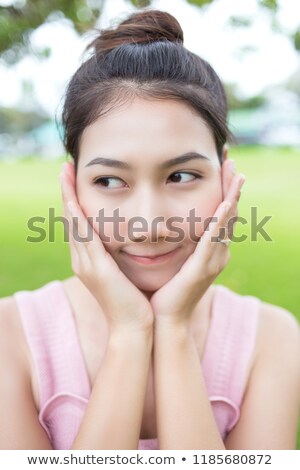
28	189
269	270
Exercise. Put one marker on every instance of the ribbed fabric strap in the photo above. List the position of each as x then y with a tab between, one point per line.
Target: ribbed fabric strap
230	343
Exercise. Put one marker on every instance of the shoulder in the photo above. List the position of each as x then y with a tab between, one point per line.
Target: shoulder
276	326
274	323
276	340
278	351
279	316
278	329
11	333
8	316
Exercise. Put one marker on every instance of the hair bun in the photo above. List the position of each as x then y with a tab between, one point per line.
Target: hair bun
141	27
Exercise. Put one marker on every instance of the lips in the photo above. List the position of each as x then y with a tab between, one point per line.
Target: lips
151	256
152	259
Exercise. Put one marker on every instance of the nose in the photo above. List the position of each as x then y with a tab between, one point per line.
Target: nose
149	219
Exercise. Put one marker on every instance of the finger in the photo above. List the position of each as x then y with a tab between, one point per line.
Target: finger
86	240
75	255
233	196
234	191
218	225
64	197
67	221
66	191
70	197
217	228
83	230
71	204
207	256
68	177
69	168
228	171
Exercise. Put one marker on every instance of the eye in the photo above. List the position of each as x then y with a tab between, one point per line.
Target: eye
112	182
104	181
185	180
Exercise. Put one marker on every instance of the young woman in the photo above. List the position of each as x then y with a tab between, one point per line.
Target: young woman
139	349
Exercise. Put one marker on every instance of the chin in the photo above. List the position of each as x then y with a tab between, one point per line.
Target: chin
149	282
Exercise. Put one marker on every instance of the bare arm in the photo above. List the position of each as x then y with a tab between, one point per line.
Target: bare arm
184	416
271	405
114	413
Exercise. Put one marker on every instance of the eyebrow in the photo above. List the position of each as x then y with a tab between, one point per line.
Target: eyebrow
105	161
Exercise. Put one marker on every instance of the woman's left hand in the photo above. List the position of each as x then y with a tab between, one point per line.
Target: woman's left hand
175	301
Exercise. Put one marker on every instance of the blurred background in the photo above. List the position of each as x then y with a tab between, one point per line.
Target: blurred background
255	48
253	45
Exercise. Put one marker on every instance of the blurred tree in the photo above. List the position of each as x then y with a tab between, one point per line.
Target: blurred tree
21	17
236	102
293	83
14	121
18	20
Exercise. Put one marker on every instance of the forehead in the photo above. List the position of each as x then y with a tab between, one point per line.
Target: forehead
143	129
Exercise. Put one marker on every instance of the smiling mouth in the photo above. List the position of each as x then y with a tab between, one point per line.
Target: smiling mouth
152	259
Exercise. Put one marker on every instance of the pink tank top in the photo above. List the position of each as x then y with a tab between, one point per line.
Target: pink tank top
63	380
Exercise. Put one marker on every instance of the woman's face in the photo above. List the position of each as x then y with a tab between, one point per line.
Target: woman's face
137	194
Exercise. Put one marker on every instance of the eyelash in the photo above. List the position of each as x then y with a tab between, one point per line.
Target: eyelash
98	180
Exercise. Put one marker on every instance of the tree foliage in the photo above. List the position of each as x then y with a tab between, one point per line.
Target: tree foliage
14	121
235	102
19	19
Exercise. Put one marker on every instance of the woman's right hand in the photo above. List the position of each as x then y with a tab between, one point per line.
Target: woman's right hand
123	304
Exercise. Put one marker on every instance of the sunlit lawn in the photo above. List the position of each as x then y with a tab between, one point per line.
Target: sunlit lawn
269	270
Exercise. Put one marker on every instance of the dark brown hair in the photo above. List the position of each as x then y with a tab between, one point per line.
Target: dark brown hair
142	57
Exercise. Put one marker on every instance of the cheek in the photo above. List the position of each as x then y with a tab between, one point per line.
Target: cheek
207	210
105	219
197	212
